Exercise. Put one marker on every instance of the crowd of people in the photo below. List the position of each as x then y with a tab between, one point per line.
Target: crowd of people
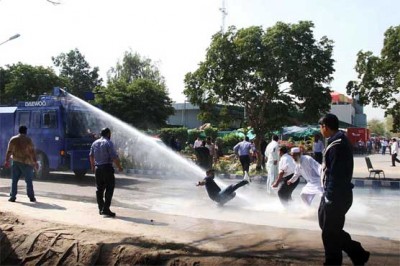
375	145
328	174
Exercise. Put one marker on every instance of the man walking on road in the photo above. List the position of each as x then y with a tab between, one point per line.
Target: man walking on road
243	149
23	164
394	151
102	155
338	195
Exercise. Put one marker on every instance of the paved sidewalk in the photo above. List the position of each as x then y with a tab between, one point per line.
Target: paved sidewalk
379	161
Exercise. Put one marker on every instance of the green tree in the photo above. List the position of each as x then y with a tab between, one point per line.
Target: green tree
269	73
133	67
135	94
77	72
377	127
379	77
21	82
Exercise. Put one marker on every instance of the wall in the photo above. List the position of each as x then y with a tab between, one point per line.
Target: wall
345	112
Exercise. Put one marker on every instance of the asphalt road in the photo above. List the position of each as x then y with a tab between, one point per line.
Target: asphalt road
374	211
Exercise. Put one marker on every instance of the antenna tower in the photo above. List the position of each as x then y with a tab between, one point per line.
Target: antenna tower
224	13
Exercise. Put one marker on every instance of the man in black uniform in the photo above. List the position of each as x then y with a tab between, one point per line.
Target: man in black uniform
338	195
214	191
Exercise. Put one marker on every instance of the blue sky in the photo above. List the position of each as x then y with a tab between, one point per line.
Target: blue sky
176	33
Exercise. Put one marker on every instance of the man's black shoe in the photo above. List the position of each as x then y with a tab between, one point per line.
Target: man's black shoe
11	199
32	199
108	213
100	212
363	260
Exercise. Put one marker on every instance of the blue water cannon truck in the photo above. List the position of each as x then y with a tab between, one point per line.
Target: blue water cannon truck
59	128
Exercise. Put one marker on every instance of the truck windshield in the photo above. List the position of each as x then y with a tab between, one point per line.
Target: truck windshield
80	124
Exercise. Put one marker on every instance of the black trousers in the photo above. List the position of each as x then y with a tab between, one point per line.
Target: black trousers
105	183
318	157
331	217
394	159
285	191
245	161
229	192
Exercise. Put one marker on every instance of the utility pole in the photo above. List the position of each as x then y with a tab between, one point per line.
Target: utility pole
224	14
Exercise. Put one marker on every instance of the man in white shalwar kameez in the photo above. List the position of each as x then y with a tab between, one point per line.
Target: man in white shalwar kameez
272	155
309	169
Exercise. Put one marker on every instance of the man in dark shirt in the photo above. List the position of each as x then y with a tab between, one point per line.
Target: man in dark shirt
338	195
214	191
203	156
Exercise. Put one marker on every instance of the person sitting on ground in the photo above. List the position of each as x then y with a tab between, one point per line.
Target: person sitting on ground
214	191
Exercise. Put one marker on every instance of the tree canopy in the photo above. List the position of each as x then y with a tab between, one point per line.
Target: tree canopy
132	67
268	72
379	77
21	82
377	127
77	72
136	93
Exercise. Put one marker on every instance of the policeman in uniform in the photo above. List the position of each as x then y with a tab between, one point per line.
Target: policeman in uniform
102	155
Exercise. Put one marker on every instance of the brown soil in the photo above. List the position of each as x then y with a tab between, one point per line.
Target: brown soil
35	242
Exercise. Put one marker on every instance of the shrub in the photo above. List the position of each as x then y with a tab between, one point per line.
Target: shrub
229	141
193	134
211	132
178	133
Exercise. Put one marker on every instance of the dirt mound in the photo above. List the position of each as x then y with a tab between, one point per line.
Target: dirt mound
36	242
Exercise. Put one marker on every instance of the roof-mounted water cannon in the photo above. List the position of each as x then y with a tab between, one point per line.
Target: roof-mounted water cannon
59	92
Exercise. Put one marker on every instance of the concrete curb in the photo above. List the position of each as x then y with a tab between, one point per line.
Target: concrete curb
358	182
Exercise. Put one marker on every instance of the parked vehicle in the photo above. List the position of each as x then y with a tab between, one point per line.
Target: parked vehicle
59	129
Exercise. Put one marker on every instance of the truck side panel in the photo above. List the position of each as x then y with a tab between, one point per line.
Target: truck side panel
7	116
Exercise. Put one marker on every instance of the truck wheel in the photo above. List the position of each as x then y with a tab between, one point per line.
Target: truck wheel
80	173
43	170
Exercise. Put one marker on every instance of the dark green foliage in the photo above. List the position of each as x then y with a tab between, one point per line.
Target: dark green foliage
76	71
379	77
142	103
166	134
136	93
229	141
193	134
211	132
20	82
269	73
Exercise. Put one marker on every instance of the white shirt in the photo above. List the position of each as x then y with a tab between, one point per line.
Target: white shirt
243	148
271	152
287	165
318	146
197	143
394	148
384	143
309	169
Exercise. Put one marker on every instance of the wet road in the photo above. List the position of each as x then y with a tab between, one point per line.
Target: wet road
375	212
